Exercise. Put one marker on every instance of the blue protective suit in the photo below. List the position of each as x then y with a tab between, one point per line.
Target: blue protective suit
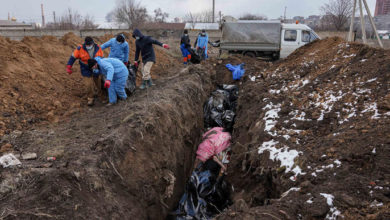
184	50
117	73
238	70
202	42
119	51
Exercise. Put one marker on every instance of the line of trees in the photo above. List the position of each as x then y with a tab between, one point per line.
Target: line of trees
73	20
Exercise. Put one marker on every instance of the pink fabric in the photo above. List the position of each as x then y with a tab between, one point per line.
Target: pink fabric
214	142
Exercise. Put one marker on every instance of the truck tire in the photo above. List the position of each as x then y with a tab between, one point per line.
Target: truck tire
250	54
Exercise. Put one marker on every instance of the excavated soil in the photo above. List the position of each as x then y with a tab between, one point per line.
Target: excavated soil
129	161
34	86
312	136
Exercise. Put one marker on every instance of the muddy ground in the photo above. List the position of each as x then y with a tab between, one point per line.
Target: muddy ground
311	141
34	86
312	136
128	160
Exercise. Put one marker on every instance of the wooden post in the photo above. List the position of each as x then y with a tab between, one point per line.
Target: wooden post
350	36
372	23
363	22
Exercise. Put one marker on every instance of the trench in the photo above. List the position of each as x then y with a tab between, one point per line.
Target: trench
129	161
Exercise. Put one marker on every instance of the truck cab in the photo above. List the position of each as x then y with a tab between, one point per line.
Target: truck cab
294	36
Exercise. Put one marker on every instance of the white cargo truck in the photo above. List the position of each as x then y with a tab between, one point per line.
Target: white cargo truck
264	38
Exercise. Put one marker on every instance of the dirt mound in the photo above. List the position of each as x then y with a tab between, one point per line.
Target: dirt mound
34	86
129	161
312	136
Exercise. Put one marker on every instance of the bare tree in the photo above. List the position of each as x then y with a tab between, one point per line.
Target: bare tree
176	20
337	12
192	19
206	16
201	17
249	16
88	23
160	16
130	12
110	17
71	19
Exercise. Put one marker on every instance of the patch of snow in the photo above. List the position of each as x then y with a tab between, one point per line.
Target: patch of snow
310	201
296	189
332	67
272	91
372	80
363	60
352	55
270	117
252	78
376	204
314	174
374	151
338	163
333	212
9	160
284	155
305	82
372	107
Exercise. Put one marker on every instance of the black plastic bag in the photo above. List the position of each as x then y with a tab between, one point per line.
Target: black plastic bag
195	58
206	194
131	80
219	109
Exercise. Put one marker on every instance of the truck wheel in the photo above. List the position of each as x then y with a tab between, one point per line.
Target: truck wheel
250	54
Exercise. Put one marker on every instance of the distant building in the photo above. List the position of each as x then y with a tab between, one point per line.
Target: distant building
382	7
201	26
13	25
382	22
384	34
313	21
300	19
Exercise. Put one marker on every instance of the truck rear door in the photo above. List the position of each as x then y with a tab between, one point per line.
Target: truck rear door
290	41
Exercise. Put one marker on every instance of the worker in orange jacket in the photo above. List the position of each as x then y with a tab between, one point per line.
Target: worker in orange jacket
83	53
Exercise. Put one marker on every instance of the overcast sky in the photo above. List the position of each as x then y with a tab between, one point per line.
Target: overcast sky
30	10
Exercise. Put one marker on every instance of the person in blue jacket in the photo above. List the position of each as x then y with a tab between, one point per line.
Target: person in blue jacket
201	44
116	75
119	48
144	46
185	47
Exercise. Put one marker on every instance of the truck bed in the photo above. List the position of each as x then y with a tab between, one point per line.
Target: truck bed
251	35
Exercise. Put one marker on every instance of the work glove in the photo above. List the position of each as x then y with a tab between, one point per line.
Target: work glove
69	69
126	63
166	46
107	84
136	64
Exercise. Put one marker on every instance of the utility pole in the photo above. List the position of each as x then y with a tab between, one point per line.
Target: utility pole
285	13
9	17
43	16
350	36
54	17
213	11
362	21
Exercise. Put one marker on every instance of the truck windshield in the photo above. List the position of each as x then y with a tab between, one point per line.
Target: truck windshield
313	36
290	35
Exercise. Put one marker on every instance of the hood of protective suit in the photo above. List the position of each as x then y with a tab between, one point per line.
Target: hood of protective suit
137	33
